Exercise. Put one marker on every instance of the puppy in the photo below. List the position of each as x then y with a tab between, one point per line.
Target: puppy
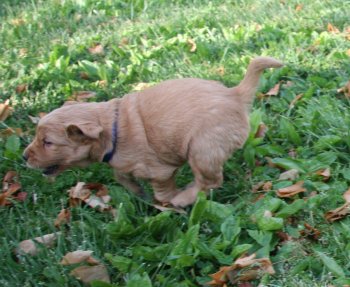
150	134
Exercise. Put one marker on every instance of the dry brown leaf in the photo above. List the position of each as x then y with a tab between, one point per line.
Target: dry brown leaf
243	269
346	196
79	192
82	192
84	75
325	173
98	201
21	88
83	96
299	7
274	91
267	186
141	86
345	90
10	186
348	51
63	217
193	45
291	174
29	246
5	110
292	190
18	22
79	256
86	274
295	100
97	50
11	131
262	129
341	211
258	186
34	120
332	29
310	232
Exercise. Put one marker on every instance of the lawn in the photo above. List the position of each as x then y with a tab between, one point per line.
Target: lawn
53	50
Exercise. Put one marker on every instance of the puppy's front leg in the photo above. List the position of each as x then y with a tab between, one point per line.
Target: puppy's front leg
129	183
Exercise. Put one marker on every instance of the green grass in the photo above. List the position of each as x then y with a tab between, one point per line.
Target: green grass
44	45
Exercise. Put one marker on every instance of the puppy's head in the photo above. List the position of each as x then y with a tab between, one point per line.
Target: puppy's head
64	138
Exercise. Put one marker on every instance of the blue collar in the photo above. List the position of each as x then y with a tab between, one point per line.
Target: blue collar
108	156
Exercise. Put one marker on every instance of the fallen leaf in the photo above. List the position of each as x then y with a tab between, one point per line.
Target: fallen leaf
256	187
5	110
267	186
291	174
345	90
96	50
292	190
10	186
84	76
79	256
29	246
274	91
299	7
193	45
34	120
63	217
87	274
310	232
332	29
262	129
341	211
11	131
141	86
79	192
21	88
243	269
325	173
18	22
295	100
82	96
82	192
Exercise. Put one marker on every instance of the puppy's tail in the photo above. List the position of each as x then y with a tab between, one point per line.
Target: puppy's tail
248	86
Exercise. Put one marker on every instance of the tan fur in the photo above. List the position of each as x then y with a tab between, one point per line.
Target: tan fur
159	129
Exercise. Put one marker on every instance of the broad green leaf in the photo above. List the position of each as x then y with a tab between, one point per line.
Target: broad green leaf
240	249
138	280
209	252
13	144
198	209
270	223
155	254
123	264
100	284
217	212
331	264
288	130
291	209
230	228
183	253
287	163
261	237
122	226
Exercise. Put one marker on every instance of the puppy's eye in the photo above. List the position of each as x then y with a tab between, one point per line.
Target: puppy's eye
47	143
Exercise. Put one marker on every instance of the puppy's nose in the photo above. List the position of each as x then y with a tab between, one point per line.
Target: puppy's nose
25	158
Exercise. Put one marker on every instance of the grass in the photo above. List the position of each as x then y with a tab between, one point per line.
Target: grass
44	46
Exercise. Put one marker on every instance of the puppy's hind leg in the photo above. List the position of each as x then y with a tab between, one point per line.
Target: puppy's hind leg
165	189
207	171
130	184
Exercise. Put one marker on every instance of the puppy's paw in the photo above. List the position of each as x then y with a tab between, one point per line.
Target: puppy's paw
184	199
165	197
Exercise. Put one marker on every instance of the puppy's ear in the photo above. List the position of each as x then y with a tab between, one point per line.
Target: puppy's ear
83	132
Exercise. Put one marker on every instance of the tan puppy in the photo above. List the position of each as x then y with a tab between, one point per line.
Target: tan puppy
150	134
